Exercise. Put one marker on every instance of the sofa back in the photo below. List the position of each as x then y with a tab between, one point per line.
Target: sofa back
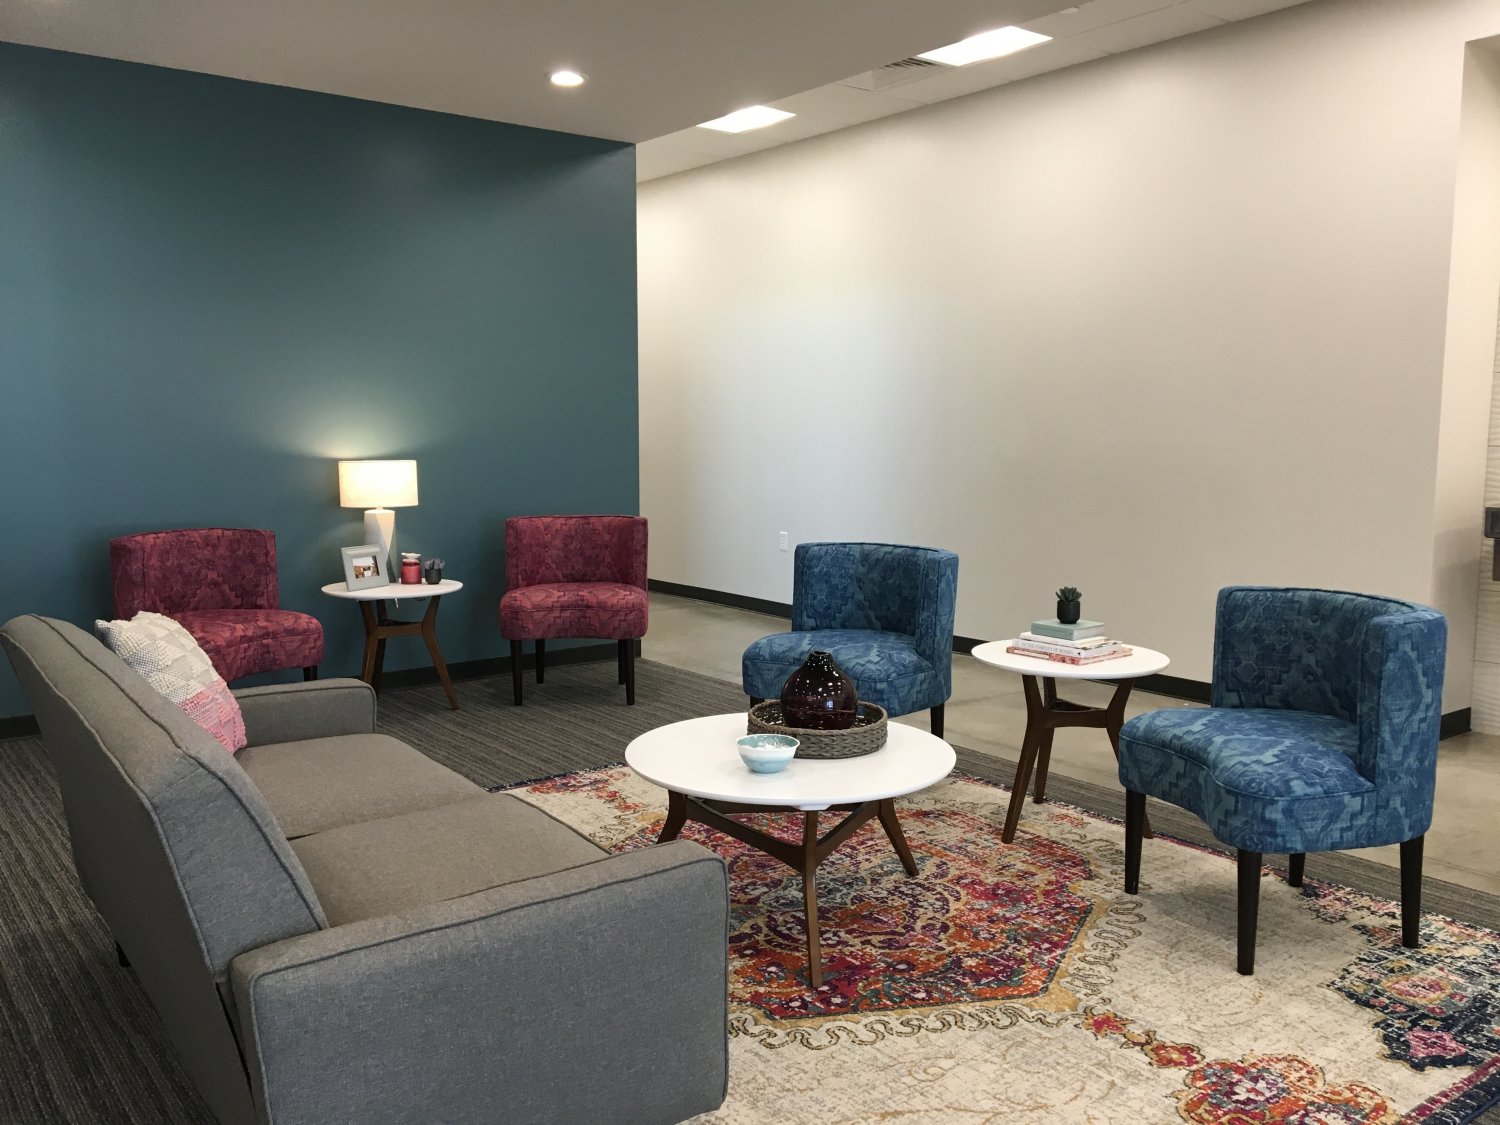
171	840
546	549
196	568
1300	649
885	586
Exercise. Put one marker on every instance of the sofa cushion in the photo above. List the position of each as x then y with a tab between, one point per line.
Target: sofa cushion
1263	779
384	866
324	783
612	610
173	664
1262	753
244	642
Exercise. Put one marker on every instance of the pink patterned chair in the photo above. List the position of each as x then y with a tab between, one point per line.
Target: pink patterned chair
574	576
219	583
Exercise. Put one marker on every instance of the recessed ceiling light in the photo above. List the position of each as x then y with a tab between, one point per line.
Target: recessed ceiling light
752	117
985	45
567	78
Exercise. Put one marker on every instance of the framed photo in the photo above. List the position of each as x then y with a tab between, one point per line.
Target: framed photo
365	567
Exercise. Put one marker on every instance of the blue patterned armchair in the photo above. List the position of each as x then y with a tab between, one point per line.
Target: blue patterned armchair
1322	735
884	612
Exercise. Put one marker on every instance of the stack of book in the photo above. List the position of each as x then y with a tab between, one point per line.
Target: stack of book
1083	642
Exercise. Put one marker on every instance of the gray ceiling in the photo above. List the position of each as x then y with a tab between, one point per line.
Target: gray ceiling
654	66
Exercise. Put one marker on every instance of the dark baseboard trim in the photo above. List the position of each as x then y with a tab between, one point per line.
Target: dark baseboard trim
18	726
500	665
1455	722
718	597
1175	687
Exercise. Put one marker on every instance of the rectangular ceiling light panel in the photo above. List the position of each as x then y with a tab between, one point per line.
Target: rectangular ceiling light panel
753	117
985	46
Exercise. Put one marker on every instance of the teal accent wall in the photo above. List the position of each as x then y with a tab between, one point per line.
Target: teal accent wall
210	290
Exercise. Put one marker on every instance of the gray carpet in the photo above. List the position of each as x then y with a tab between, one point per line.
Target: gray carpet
79	1042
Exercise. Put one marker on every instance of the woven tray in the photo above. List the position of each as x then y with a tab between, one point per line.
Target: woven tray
866	736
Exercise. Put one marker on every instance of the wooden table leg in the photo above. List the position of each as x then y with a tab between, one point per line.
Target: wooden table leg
372	640
1114	719
810	896
1030	745
1044	751
676	817
381	633
898	838
429	634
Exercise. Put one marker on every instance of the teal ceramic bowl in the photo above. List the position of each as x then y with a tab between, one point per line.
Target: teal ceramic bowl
766	753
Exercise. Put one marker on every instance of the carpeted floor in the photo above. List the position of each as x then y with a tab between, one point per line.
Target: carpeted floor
79	1043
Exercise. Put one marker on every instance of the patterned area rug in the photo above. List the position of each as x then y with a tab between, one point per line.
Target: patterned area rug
1019	983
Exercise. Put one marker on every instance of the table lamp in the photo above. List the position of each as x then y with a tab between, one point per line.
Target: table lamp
378	486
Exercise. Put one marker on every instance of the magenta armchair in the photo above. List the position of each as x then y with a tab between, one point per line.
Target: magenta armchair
219	583
574	576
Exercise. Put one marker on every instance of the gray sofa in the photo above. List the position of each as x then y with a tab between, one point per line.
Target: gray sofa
335	928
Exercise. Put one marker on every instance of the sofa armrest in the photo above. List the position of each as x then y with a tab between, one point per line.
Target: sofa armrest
598	993
316	709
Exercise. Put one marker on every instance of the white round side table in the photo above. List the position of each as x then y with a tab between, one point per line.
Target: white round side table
379	627
1045	712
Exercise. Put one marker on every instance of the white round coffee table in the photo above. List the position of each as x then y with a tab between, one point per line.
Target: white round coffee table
697	763
379	627
1045	712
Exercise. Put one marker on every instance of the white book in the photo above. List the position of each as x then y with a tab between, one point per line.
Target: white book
1063	648
1085	645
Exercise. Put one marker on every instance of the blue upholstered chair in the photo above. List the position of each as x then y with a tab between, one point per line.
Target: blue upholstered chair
1322	735
884	612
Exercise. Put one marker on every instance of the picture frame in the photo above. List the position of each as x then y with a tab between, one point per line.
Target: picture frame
364	567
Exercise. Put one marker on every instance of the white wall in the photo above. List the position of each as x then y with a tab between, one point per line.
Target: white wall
1465	434
1486	696
1151	325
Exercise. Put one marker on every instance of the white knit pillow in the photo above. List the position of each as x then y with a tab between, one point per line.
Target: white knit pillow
172	662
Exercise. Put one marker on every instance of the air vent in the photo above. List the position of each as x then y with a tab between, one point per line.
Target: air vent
898	73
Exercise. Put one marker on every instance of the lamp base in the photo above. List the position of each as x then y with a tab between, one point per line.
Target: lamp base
380	529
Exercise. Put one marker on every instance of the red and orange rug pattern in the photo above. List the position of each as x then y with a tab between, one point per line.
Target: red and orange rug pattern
1017	982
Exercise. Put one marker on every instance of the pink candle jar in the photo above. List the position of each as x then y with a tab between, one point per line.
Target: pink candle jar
411	570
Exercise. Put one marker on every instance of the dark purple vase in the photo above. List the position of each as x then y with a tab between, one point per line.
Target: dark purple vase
818	696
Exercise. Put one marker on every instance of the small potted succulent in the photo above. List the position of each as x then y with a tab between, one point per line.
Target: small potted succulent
1069	605
433	568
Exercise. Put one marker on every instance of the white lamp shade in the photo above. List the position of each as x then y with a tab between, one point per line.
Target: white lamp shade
377	484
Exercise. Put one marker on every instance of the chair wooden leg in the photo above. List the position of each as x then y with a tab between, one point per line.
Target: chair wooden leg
515	670
541	649
1411	892
1249	902
937	720
1135	827
1294	867
310	672
630	673
620	659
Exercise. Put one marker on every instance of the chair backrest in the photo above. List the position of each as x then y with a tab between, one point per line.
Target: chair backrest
885	586
546	549
1295	649
171	840
195	568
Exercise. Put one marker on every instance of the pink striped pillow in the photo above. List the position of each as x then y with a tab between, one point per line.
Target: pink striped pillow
173	663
